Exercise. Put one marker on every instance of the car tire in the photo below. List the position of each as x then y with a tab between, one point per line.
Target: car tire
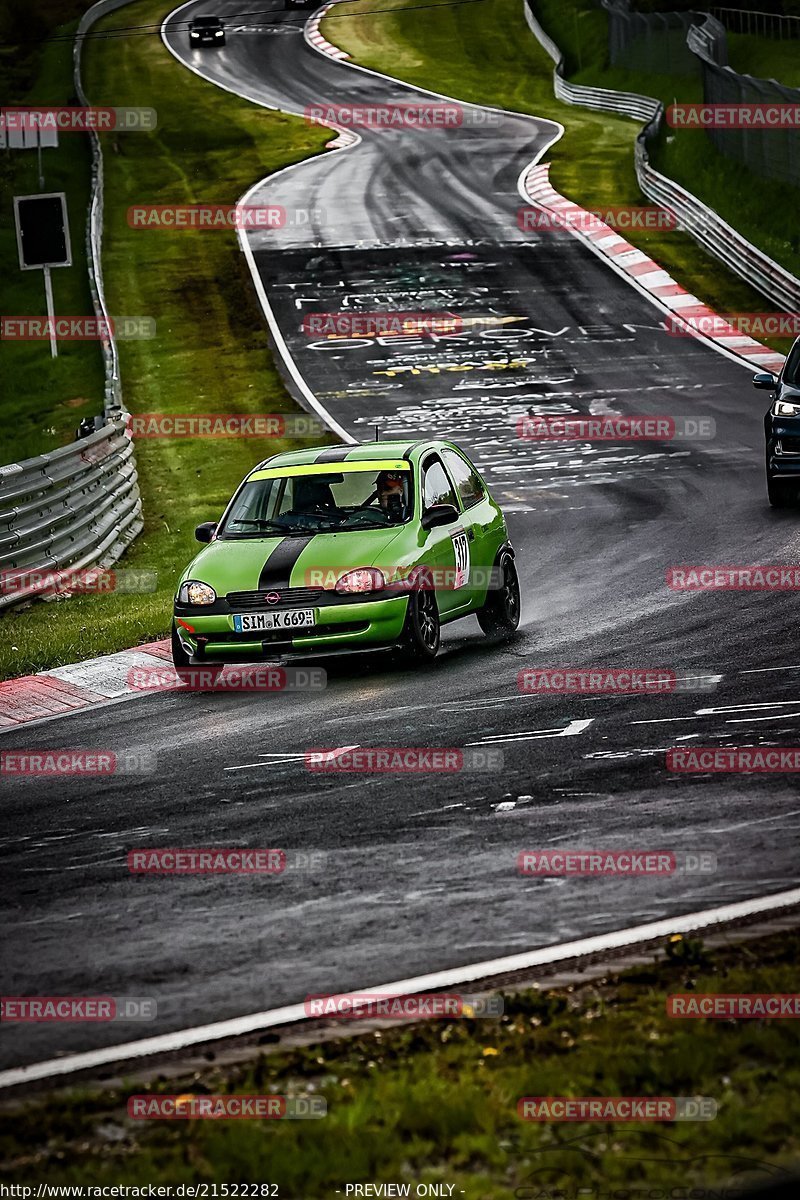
779	492
499	615
422	631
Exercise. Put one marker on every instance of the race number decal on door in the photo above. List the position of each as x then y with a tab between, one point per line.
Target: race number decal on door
461	547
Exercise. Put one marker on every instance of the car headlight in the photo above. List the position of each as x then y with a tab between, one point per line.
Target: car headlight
194	592
784	409
194	33
365	579
217	33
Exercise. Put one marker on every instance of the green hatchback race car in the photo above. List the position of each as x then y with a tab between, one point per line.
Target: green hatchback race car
345	548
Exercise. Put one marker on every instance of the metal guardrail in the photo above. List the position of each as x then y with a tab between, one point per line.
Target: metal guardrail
762	24
78	506
626	104
75	507
701	222
94	225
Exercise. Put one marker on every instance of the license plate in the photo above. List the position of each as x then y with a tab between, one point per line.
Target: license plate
287	618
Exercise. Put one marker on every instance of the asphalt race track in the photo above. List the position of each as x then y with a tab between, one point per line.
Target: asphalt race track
420	872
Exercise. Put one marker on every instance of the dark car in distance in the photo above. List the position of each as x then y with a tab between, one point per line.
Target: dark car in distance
206	31
782	429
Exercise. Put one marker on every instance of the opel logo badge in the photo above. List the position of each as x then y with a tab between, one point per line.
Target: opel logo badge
272	597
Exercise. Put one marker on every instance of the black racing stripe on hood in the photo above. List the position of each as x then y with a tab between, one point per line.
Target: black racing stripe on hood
276	571
334	454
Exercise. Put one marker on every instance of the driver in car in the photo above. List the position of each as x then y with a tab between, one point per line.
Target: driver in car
390	488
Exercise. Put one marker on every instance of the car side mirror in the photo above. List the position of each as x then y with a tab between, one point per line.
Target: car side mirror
206	531
439	514
764	380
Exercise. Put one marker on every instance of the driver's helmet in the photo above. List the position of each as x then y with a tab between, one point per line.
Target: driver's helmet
391	489
312	493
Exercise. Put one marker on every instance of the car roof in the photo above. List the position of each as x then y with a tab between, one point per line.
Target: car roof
361	452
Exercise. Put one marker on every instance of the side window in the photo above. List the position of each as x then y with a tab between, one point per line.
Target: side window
436	487
467	479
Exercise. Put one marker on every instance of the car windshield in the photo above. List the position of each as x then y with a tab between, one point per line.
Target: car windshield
336	501
203	22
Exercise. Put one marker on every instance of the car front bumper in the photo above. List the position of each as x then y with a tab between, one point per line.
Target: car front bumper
783	446
364	625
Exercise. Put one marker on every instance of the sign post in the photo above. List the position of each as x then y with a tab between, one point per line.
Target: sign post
43	242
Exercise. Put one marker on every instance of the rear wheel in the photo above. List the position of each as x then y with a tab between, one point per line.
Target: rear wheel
779	492
499	616
419	641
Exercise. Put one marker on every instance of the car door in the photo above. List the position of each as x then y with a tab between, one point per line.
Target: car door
444	541
446	547
482	526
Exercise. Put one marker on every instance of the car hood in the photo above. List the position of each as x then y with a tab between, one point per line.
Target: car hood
316	560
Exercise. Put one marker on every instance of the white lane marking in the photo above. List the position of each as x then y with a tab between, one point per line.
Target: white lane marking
754	707
531	735
755	720
756	821
182	1039
764	670
276	759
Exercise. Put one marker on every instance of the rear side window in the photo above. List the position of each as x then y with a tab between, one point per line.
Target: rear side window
467	480
436	487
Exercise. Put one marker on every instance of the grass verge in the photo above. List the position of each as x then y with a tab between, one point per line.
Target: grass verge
210	351
436	1102
484	52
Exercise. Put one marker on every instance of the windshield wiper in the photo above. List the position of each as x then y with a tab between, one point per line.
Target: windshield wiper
263	524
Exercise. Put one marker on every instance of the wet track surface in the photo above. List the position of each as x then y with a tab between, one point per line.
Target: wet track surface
421	872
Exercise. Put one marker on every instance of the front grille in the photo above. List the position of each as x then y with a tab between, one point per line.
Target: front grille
296	597
789	445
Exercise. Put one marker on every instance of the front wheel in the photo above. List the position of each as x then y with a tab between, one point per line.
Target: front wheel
499	615
778	492
419	641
